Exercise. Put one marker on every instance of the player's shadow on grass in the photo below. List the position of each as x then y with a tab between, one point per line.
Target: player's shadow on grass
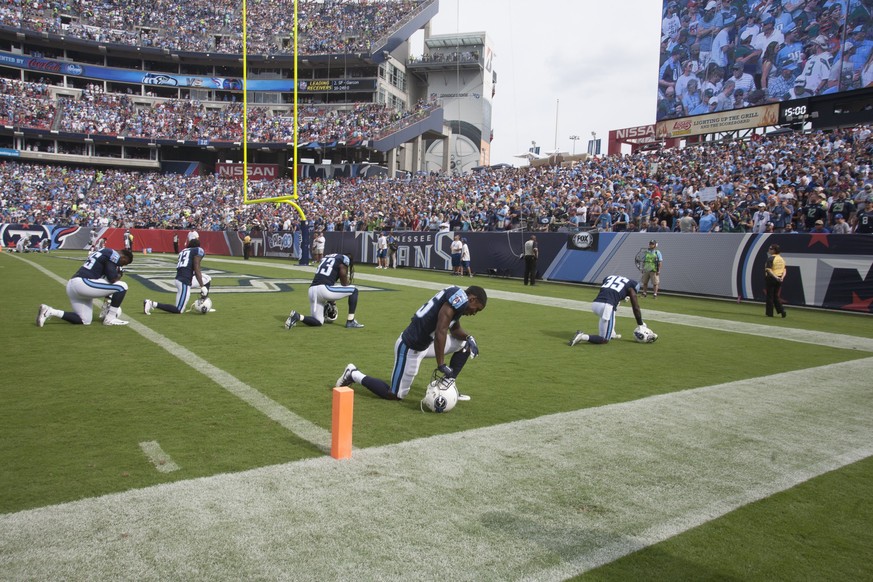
562	334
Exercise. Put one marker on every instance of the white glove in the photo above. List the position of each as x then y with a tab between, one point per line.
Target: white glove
204	291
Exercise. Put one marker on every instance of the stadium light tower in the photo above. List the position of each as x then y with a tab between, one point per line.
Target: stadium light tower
574	138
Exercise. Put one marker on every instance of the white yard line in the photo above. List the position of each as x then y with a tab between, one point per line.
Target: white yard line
541	499
834	340
161	460
298	425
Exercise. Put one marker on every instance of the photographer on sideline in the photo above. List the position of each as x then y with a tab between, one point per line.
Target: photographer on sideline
652	262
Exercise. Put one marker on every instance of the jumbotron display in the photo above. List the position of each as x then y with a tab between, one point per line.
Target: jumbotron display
718	55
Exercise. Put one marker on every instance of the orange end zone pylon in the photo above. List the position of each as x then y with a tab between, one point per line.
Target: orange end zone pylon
341	427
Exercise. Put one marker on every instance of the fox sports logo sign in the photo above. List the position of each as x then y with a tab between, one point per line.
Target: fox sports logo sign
583	240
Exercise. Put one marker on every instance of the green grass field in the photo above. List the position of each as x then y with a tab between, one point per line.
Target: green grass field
735	447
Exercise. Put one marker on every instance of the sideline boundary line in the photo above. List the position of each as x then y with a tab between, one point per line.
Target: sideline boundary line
818	338
640	472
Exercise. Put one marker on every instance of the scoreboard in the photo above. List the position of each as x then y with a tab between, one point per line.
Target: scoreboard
794	111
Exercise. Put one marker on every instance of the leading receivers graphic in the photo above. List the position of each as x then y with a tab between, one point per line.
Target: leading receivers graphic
324	289
435	330
612	291
98	277
188	276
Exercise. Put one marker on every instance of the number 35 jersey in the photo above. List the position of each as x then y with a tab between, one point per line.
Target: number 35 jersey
614	289
418	335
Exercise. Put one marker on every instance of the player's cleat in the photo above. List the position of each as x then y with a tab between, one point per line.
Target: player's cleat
354	323
615	336
115	321
42	315
579	337
292	320
346	378
463	397
104	309
147	306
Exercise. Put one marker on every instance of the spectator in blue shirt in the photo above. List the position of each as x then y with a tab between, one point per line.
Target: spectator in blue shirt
707	221
604	222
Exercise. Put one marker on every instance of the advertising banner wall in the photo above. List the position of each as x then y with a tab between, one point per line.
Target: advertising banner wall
336	85
255	171
747	118
139	77
281	244
171	80
831	271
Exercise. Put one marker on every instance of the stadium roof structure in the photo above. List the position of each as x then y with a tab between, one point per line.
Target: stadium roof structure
454	40
529	156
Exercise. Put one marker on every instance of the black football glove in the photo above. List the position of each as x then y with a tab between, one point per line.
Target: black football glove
474	347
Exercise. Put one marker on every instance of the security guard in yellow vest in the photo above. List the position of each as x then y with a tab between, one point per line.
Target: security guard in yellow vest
774	275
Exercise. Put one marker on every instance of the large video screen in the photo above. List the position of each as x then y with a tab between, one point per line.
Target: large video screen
718	55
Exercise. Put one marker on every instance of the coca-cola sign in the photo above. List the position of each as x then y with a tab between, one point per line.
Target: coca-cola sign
44	65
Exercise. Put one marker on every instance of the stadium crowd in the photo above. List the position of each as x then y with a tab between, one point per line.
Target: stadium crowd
770	183
27	104
718	55
329	26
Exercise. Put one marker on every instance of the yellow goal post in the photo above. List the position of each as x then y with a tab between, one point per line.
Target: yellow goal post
286	199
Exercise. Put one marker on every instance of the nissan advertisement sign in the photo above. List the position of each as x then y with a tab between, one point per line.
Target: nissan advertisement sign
255	171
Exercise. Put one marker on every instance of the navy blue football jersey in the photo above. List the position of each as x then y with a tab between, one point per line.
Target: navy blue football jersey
418	335
102	263
328	269
865	221
614	289
185	265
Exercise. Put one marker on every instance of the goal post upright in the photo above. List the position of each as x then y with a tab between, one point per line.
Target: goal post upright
295	113
287	198
245	117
